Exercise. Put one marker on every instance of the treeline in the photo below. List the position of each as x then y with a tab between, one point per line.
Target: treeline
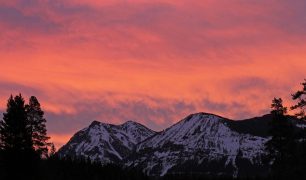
23	138
286	150
192	176
54	168
26	153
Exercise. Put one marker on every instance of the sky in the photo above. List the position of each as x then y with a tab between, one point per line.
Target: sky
150	61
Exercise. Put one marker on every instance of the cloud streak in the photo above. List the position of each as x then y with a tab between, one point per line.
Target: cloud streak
150	61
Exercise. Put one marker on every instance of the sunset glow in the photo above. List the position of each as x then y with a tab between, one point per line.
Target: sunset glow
153	62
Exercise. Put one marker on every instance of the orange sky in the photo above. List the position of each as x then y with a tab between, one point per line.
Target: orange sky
150	61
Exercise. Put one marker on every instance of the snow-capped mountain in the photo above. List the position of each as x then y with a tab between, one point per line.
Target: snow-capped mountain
197	143
106	143
201	143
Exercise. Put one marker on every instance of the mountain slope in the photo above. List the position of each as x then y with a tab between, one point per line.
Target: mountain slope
258	126
198	139
106	143
200	144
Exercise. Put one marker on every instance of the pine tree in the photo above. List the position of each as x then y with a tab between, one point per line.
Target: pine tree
281	147
17	146
14	128
299	108
300	96
52	150
38	130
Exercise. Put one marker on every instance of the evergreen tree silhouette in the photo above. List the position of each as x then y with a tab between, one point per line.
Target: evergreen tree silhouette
24	144
52	150
281	147
299	107
17	146
300	96
38	129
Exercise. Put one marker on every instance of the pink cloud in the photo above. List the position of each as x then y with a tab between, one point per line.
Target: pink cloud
154	61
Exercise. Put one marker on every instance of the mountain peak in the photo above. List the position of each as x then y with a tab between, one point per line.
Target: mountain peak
129	122
104	142
93	123
203	114
201	118
200	139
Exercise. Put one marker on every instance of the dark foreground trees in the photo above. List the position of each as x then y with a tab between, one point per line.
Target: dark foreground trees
300	97
299	108
17	153
55	168
26	153
281	148
286	150
37	130
23	138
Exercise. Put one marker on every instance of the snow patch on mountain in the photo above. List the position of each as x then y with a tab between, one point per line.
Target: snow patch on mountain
197	137
106	143
200	143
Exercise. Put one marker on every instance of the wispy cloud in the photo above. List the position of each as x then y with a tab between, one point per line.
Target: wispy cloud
150	61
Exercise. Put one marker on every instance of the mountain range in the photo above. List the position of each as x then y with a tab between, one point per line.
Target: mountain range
201	143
